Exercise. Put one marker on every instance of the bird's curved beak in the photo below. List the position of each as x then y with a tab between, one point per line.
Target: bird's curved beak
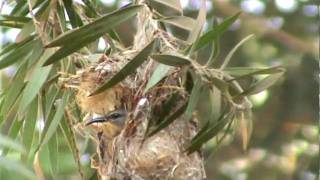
98	120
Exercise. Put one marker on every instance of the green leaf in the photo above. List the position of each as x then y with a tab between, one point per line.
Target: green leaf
16	167
17	45
128	69
88	33
210	132
230	54
183	22
29	126
75	19
13	132
13	21
171	60
15	55
215	48
174	4
67	130
26	30
33	87
243	72
215	103
219	83
194	98
6	142
201	19
46	135
54	154
216	32
159	73
15	89
263	84
166	122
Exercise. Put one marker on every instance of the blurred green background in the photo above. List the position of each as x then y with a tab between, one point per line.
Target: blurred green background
285	139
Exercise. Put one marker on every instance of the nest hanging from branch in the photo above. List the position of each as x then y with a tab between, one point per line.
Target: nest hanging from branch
130	152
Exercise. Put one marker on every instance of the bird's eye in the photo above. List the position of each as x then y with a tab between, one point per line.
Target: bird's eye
115	115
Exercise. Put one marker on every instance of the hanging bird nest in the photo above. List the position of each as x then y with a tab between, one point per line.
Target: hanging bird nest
132	151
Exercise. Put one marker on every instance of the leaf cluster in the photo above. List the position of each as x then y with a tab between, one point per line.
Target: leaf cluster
40	55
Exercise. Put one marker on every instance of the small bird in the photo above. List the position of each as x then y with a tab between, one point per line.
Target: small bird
113	122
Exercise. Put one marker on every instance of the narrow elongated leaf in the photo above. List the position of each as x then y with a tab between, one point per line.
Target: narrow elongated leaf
37	80
174	4
215	103
263	84
67	129
160	72
201	19
230	54
6	142
29	126
215	32
54	156
171	60
194	98
128	68
15	89
16	45
245	127
16	167
243	72
183	22
169	120
75	19
219	84
13	21
13	132
26	30
78	38
210	132
16	55
46	135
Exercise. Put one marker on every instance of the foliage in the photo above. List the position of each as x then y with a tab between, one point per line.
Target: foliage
48	47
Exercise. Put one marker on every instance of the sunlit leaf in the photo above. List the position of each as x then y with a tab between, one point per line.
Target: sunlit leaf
34	85
201	19
183	22
26	30
159	73
13	21
215	32
262	85
174	4
215	103
171	60
128	69
234	49
244	72
88	33
245	127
